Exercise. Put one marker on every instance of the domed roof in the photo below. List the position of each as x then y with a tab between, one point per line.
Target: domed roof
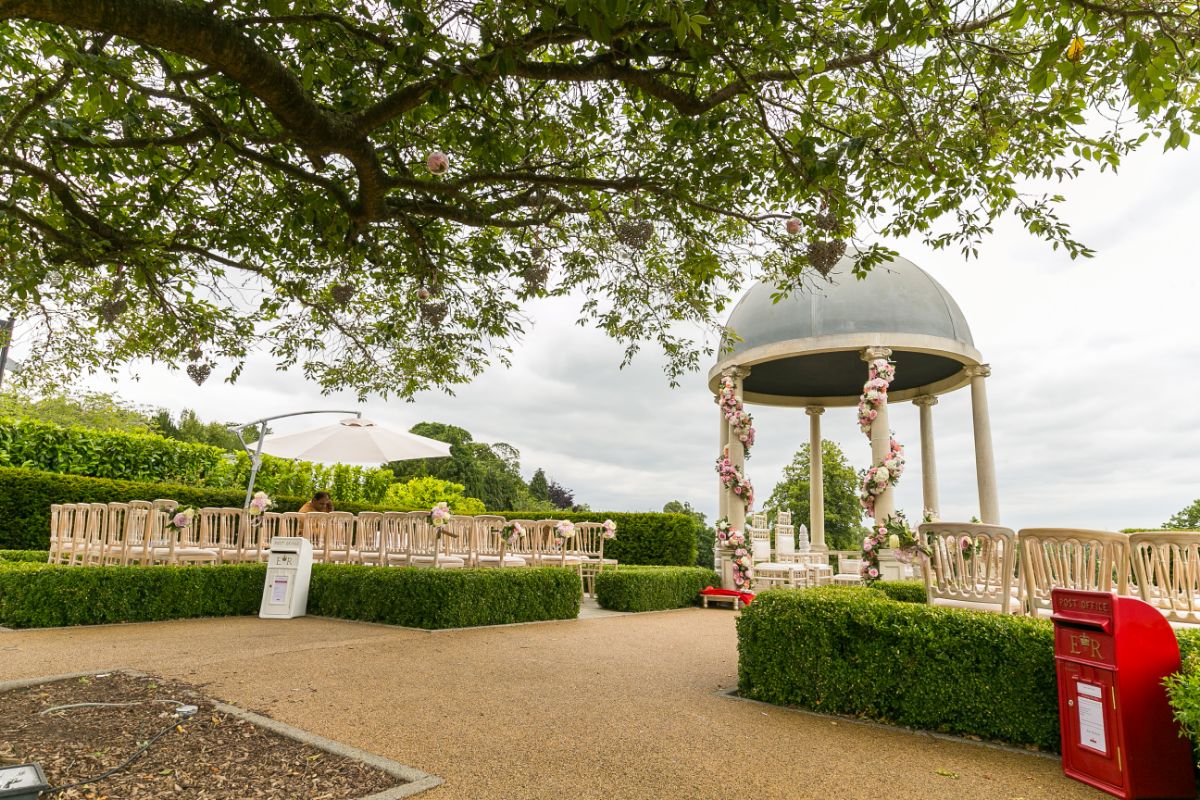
805	346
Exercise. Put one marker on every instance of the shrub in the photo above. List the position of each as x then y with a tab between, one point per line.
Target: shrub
853	651
443	598
642	538
45	595
902	591
426	492
706	538
26	496
651	588
148	457
28	556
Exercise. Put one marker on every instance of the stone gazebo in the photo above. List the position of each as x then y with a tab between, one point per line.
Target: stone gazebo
812	350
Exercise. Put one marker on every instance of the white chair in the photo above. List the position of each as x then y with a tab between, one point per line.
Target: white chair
491	544
426	546
1069	558
972	566
1166	565
849	572
368	538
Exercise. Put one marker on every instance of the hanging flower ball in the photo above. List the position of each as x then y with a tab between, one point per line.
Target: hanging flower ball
437	162
793	226
423	293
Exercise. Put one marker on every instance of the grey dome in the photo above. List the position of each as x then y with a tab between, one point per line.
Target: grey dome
897	297
807	344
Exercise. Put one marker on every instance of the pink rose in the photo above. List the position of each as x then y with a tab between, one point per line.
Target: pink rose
437	162
793	226
874	573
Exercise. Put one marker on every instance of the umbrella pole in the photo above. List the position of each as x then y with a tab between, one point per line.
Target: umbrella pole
255	460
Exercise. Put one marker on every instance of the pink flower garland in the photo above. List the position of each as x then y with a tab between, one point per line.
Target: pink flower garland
888	471
735	541
736	414
732	478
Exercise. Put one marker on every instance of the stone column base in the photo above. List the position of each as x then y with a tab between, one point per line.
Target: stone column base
890	567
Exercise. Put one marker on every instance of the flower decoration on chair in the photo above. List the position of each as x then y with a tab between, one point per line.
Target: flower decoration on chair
740	421
439	515
181	519
733	479
609	529
895	535
513	532
260	503
887	472
563	531
733	540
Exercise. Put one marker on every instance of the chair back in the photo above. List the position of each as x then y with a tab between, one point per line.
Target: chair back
137	531
760	550
1166	565
422	541
256	534
588	541
55	541
849	565
114	533
1067	558
368	537
971	563
489	537
757	529
459	538
394	536
785	539
97	516
291	524
339	535
783	518
525	545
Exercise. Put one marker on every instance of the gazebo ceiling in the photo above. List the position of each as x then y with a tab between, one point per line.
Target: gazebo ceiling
804	349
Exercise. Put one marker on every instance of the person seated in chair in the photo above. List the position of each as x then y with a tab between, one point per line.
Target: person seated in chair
321	501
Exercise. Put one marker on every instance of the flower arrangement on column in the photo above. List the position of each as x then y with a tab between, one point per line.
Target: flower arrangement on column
888	471
897	536
733	540
741	422
733	479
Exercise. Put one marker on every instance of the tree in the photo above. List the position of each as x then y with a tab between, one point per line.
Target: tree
843	512
705	536
1186	520
189	428
373	191
104	411
426	492
559	495
538	488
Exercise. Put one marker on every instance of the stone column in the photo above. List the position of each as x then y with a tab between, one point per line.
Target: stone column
737	453
929	487
985	460
816	480
881	441
722	492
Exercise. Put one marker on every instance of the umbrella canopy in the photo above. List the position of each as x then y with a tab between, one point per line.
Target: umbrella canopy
354	441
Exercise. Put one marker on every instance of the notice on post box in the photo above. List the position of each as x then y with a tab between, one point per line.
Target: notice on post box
1091	718
279	590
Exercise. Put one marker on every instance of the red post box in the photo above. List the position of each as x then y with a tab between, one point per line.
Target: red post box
1118	733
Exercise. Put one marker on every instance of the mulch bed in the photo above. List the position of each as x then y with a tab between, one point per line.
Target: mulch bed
210	755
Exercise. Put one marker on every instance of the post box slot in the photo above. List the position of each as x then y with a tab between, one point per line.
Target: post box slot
1097	624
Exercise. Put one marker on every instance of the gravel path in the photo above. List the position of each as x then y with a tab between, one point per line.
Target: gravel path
623	707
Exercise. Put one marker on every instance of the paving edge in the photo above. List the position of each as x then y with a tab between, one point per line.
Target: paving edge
416	781
732	694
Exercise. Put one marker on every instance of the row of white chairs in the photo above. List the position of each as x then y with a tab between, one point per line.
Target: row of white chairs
139	532
993	568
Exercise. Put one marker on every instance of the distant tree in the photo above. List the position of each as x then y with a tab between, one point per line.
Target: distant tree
843	512
425	492
1188	519
561	496
705	536
190	428
539	488
104	411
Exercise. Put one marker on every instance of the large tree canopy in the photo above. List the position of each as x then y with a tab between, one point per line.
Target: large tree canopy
192	181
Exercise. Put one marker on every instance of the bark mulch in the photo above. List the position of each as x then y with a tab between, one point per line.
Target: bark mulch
209	756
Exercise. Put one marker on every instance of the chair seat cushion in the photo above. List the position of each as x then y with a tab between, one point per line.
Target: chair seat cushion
509	561
442	561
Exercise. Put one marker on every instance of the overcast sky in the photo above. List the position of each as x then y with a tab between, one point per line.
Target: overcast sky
1095	377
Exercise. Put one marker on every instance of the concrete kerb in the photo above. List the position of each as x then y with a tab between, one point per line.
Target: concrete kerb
732	694
415	781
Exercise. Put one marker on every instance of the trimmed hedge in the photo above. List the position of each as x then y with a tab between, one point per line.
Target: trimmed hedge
443	598
902	591
119	455
30	556
44	595
651	538
853	651
651	588
26	496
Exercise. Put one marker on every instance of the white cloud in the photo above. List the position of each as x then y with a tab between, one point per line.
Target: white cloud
1090	396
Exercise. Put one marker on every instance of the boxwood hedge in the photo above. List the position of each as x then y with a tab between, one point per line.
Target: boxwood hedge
443	598
642	538
30	556
854	651
43	595
651	588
